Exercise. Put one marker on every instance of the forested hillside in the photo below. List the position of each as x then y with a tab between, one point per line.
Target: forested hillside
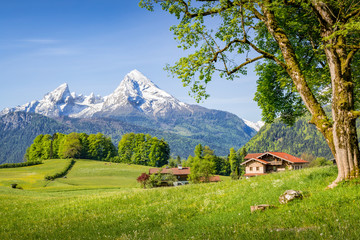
300	138
19	129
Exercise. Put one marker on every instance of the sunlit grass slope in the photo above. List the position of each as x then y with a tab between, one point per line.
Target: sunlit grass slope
204	211
32	176
84	174
97	174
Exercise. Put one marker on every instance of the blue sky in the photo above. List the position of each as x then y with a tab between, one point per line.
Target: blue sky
92	45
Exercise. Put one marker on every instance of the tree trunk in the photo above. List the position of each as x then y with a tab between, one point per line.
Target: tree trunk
346	147
345	139
344	127
340	135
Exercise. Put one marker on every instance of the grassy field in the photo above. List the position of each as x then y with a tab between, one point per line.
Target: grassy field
95	207
85	174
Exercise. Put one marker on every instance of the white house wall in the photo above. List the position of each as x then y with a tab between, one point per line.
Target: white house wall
255	167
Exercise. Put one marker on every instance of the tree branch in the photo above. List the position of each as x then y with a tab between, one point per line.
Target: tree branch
348	60
210	12
244	64
352	14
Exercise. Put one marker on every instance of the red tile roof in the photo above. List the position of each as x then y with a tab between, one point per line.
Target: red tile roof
253	174
287	157
253	155
215	179
212	179
255	159
284	156
174	171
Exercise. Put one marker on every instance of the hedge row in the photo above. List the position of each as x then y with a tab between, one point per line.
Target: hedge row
23	164
63	172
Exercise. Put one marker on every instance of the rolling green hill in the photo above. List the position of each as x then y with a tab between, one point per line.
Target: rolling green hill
84	174
105	205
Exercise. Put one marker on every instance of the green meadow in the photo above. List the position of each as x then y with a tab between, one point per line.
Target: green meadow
102	201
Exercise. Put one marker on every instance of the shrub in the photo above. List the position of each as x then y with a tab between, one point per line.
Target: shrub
23	164
63	172
320	162
16	186
143	179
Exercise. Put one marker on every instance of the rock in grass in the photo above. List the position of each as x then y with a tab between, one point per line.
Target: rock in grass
290	195
261	207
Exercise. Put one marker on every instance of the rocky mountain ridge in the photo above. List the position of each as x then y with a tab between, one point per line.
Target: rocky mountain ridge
135	97
137	105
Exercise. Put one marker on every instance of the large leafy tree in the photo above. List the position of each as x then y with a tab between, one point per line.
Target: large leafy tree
143	149
71	146
307	55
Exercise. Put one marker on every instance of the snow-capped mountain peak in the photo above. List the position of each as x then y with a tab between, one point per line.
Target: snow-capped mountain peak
136	95
254	125
138	92
59	95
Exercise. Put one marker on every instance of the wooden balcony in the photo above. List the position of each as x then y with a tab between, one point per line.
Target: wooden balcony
276	163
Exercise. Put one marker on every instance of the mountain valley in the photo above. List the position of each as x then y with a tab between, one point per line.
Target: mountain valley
136	105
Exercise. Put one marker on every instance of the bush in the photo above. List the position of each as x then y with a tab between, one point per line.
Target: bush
320	162
63	172
16	186
23	164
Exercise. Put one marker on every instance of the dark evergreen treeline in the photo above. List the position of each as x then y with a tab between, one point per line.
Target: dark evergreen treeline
143	149
73	145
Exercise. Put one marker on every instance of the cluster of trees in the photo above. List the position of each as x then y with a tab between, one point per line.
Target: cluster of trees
205	164
143	149
73	145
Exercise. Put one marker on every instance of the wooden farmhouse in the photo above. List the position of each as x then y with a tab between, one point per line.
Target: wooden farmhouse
268	162
181	174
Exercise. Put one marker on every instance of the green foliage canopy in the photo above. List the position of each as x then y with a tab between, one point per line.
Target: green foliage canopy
225	36
73	145
143	149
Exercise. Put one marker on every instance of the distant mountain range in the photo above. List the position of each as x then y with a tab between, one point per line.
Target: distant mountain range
136	105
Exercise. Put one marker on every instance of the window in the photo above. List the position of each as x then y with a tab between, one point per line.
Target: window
257	168
250	168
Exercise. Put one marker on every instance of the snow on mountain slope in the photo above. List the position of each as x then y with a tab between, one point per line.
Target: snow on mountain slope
254	125
136	93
